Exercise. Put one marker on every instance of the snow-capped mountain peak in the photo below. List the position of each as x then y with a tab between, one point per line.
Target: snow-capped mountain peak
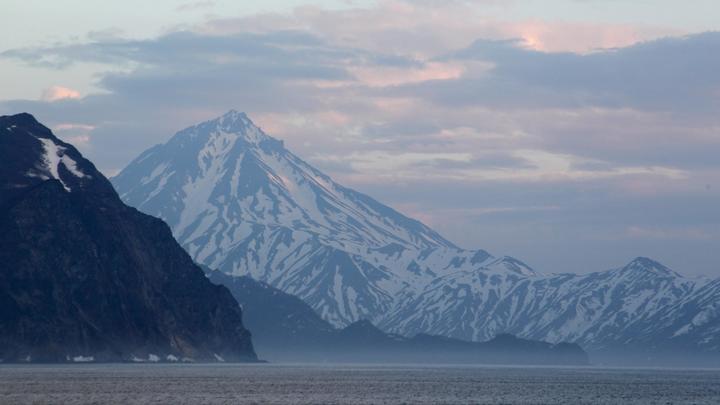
228	168
229	128
235	123
239	202
649	266
509	265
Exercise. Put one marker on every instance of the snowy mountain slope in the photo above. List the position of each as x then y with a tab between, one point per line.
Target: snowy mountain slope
695	323
227	171
238	201
285	328
598	310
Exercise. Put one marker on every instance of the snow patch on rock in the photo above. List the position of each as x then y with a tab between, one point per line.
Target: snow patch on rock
55	156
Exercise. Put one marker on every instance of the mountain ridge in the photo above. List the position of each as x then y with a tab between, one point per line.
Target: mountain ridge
271	216
282	219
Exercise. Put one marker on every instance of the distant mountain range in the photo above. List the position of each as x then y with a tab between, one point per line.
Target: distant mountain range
287	329
83	277
238	201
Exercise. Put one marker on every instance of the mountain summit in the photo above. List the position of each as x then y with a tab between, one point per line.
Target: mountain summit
236	123
238	201
227	168
43	157
83	277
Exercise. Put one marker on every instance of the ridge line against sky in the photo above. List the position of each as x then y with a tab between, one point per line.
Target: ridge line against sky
572	134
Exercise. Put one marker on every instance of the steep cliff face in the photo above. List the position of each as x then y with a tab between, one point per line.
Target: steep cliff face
85	278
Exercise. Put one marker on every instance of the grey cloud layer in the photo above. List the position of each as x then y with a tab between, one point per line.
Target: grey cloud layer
522	152
672	74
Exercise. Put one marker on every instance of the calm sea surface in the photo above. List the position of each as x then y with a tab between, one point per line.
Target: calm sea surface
352	384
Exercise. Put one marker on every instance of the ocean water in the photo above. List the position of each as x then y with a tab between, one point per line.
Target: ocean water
351	384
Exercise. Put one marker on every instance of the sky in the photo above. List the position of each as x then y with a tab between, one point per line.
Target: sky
574	135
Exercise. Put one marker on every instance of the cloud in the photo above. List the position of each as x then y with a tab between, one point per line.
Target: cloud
56	93
578	37
433	27
77	134
601	108
72	126
195	5
671	74
522	166
659	233
589	115
517	136
381	76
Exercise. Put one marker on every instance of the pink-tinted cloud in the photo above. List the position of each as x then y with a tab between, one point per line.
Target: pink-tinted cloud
379	76
72	126
425	29
580	37
75	133
56	93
